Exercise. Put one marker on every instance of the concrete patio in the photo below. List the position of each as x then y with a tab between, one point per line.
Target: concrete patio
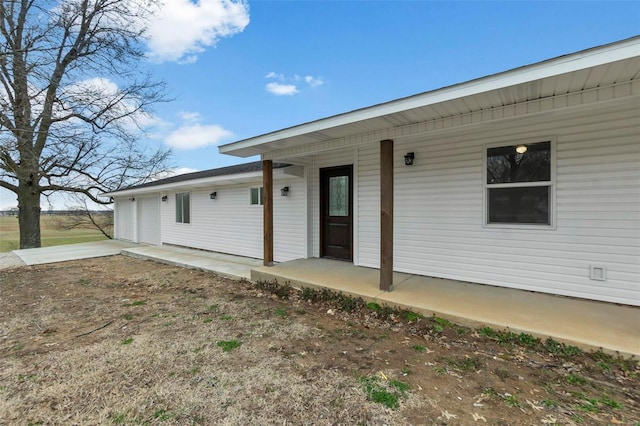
588	324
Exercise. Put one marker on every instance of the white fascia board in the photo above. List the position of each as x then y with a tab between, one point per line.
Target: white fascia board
564	64
194	184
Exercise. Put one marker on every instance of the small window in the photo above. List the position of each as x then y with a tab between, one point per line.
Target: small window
256	196
183	210
339	196
519	184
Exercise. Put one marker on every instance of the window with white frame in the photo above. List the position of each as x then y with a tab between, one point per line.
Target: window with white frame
519	184
256	196
183	208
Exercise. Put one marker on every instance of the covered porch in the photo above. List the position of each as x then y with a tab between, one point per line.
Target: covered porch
585	323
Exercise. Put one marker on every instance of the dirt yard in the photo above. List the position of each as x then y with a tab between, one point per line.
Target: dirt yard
124	341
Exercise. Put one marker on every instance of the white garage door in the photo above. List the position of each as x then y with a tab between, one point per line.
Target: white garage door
149	220
124	219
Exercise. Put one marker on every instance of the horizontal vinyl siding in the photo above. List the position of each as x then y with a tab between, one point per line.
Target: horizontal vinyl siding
289	233
368	223
439	208
229	224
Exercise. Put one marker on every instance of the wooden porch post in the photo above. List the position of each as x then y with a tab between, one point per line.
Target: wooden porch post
267	200
386	214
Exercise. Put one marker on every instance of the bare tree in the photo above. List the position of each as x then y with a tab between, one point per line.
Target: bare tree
73	101
81	216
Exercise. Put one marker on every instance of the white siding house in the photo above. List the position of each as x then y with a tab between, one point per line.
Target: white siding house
528	179
579	233
229	223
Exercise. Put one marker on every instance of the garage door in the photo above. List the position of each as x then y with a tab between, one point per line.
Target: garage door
124	219
149	220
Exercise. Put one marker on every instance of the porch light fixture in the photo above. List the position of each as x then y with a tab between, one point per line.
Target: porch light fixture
132	199
284	191
408	158
213	195
164	198
521	149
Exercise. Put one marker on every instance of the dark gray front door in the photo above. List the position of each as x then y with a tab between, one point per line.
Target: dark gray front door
336	212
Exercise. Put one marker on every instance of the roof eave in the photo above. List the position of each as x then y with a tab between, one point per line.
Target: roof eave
193	184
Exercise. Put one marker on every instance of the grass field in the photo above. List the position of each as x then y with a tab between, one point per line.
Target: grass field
52	233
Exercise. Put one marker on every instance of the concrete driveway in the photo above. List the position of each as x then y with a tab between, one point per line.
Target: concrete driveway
37	256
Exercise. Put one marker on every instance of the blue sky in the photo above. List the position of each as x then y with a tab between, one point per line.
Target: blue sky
236	70
364	52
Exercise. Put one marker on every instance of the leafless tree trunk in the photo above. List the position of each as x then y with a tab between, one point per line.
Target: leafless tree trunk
72	101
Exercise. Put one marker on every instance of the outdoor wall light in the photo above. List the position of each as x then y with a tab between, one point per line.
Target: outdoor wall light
521	149
284	191
132	199
164	198
408	158
213	195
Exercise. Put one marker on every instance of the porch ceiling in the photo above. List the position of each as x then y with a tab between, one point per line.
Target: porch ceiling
598	67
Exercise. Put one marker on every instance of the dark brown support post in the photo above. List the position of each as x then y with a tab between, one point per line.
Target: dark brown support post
267	200
386	214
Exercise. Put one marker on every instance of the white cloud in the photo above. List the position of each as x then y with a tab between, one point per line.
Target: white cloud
190	116
275	75
287	89
182	29
192	134
174	172
282	89
313	81
181	171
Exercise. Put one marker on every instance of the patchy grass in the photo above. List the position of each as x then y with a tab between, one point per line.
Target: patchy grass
419	348
385	392
228	345
508	338
280	312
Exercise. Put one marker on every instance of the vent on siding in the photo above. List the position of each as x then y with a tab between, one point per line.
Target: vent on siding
598	273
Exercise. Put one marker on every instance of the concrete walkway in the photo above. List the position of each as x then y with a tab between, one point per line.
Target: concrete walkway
223	264
584	323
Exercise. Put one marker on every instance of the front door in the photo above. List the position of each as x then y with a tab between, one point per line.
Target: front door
336	213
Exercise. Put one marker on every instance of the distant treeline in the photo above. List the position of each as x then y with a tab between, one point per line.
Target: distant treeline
14	212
